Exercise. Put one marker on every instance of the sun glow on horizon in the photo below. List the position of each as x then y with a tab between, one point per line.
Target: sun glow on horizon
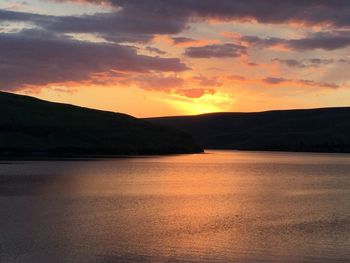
208	103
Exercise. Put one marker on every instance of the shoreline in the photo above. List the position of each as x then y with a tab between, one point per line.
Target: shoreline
82	157
96	157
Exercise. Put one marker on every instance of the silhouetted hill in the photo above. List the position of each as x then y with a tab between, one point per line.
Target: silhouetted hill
32	126
314	130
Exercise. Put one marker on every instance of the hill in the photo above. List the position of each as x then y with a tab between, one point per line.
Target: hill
314	130
29	126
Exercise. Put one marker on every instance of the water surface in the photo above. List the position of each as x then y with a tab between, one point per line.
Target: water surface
223	206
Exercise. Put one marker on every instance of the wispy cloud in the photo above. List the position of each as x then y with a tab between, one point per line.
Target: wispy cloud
216	51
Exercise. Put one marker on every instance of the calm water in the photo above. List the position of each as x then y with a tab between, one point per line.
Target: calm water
217	207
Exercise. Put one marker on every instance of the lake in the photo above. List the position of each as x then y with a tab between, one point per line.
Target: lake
222	206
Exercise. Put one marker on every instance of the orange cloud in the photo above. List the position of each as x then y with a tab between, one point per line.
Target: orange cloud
194	93
231	35
206	81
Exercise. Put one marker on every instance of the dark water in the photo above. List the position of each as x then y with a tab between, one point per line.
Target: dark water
215	207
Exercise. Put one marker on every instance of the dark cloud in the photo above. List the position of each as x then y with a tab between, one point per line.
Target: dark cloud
346	61
273	80
181	40
327	41
334	12
252	64
318	84
117	23
48	55
155	50
305	63
118	26
216	51
139	21
311	83
321	41
293	63
320	61
6	15
35	58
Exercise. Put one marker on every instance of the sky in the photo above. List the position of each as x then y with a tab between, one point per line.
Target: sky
178	57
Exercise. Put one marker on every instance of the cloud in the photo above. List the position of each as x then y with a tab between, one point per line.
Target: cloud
16	6
156	82
155	50
33	57
274	80
305	63
312	12
346	61
216	51
252	64
206	81
236	78
118	26
47	54
281	81
182	40
194	93
139	21
191	42
169	84
310	83
323	40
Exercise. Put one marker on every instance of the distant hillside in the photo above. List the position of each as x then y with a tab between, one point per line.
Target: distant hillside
315	130
31	126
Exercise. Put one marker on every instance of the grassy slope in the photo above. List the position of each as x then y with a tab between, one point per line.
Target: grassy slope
29	125
316	130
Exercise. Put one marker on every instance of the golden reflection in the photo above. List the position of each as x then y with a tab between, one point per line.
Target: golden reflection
222	206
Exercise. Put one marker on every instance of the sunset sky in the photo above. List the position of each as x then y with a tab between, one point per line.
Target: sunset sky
174	57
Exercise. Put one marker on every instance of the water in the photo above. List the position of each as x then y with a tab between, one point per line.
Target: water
223	206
